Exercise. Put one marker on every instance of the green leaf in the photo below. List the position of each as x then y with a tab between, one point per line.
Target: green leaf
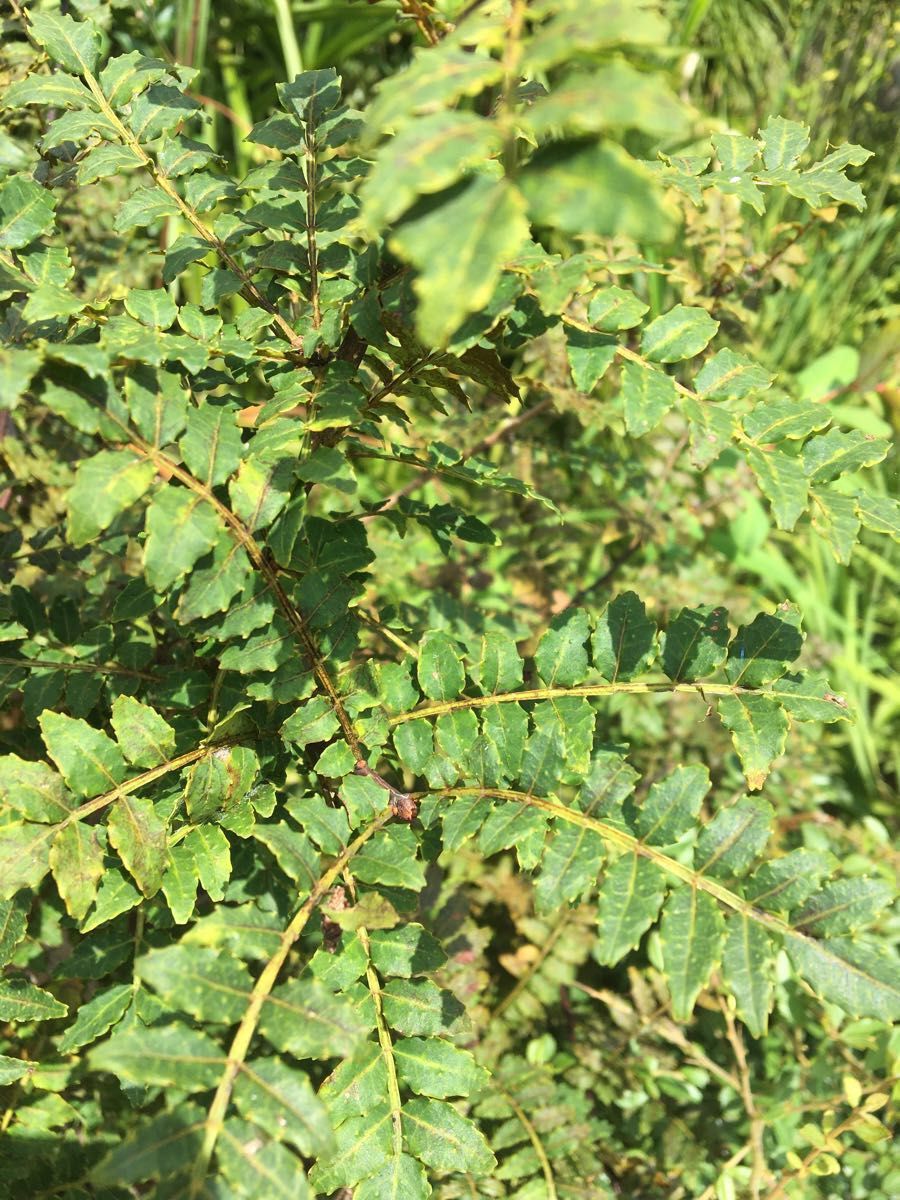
440	670
624	641
459	248
759	728
511	824
313	721
746	956
97	1017
730	376
780	418
206	984
672	805
613	308
358	1084
569	865
26	211
250	1163
695	643
22	1001
12	1069
168	1056
844	907
164	1145
561	656
146	738
691	933
629	901
293	852
408	950
425	157
499	665
435	1067
400	1179
281	1100
306	1019
782	482
862	979
75	45
590	356
90	762
179	884
362	1146
647	395
783	143
418	1006
834	517
834	453
76	860
158	405
444	1140
138	834
680	333
105	486
881	513
13	923
24	857
153	306
212	444
33	789
761	651
560	186
783	883
729	843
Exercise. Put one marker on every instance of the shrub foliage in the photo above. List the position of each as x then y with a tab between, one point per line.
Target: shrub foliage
250	775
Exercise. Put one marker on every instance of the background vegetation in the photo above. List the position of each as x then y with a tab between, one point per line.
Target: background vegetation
501	490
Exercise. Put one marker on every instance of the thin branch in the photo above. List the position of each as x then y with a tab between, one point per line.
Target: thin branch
759	1170
96	668
534	1138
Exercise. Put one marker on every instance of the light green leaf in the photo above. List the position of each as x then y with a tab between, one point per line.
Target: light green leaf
169	1056
780	418
834	517
624	641
281	1099
444	1140
212	444
90	761
761	651
590	356
435	1067
459	248
105	486
862	979
691	932
881	513
695	643
97	1017
729	843
730	376
569	865
746	957
293	852
22	1001
405	951
13	923
783	883
499	665
362	1146
511	824
26	211
12	1069
165	1145
158	404
138	834
613	308
807	697
153	306
75	45
647	395
400	1179
672	805
33	789
76	860
836	452
844	907
24	857
782	481
179	884
759	728
145	737
308	1020
251	1165
418	1006
680	333
629	901
358	1084
783	143
561	656
206	984
440	670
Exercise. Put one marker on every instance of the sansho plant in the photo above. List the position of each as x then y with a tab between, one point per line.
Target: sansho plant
235	785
